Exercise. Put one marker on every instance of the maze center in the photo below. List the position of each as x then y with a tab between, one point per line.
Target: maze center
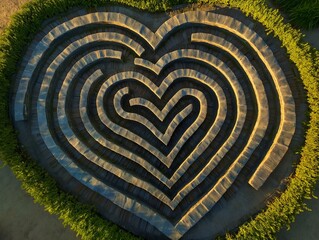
172	126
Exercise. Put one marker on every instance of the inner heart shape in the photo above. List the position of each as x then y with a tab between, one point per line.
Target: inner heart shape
162	114
160	128
159	91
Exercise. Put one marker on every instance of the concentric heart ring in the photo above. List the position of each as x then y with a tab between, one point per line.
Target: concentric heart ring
162	130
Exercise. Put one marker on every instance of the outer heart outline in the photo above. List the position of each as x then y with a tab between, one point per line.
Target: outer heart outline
283	136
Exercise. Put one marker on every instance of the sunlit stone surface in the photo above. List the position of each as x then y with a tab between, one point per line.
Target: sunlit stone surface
156	123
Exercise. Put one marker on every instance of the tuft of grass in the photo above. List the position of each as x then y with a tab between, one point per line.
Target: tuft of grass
302	13
305	15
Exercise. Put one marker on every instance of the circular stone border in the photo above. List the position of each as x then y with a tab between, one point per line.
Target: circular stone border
82	218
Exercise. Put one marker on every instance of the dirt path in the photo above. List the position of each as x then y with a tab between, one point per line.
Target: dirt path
7	8
21	219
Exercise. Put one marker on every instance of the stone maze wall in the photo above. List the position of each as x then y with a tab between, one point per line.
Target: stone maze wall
157	125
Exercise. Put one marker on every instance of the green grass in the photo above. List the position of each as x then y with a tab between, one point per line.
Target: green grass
303	13
82	218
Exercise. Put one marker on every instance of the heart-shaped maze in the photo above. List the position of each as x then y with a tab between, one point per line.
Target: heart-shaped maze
156	122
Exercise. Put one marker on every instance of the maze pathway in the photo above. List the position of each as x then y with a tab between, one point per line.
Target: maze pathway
157	125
